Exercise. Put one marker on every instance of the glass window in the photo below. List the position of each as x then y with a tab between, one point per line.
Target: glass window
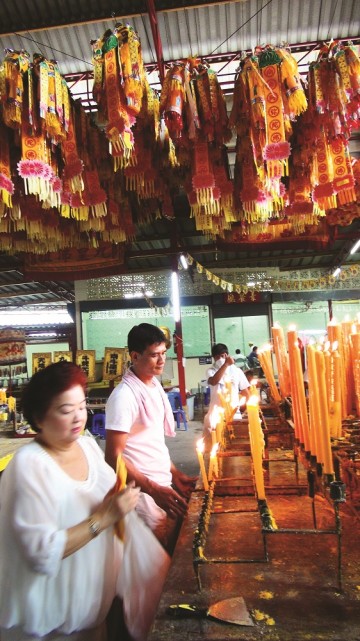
109	328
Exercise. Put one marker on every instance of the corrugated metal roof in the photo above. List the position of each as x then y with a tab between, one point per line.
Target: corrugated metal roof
218	31
218	28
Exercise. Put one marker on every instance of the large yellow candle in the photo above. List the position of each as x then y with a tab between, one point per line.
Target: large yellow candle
298	389
327	359
313	402
266	364
257	444
200	446
355	352
335	335
324	426
281	359
335	393
213	464
346	330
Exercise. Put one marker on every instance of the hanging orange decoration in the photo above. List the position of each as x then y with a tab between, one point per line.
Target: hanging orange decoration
277	149
6	184
132	67
16	64
172	99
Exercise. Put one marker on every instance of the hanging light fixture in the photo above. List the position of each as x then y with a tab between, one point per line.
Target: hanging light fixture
183	261
355	248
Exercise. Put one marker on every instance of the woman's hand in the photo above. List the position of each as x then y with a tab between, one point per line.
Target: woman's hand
115	506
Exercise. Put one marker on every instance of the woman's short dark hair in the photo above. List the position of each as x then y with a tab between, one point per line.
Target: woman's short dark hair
219	348
45	385
143	335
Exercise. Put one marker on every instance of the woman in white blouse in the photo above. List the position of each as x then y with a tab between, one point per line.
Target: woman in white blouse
59	558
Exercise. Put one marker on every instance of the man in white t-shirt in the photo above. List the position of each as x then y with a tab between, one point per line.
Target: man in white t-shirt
222	372
138	415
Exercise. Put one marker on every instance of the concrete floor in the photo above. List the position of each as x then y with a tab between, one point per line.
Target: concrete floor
182	448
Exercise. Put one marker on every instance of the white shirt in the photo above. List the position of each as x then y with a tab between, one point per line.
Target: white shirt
39	590
238	381
145	446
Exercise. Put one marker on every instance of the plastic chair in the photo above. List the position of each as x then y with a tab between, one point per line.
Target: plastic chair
98	425
177	408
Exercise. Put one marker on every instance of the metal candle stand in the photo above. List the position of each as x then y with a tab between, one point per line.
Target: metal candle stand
337	495
200	536
333	490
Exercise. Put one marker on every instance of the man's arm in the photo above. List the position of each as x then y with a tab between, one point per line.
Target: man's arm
165	497
216	378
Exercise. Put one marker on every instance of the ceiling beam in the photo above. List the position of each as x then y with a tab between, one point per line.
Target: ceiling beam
156	38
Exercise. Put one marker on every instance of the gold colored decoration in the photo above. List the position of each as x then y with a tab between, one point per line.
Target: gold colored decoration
85	358
115	362
40	360
62	356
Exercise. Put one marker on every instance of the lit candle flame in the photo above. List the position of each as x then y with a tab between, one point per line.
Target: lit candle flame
253	400
214	449
242	400
335	346
200	445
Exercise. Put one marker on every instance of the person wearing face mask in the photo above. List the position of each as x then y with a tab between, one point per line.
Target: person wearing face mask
222	372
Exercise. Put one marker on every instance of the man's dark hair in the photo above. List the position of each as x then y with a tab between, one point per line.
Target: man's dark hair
143	335
237	351
219	348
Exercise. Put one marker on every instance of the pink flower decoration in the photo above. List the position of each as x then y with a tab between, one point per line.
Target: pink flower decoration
7	184
25	168
277	151
56	184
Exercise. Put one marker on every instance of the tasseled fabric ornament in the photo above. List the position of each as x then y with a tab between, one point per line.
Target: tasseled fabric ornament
74	166
295	94
94	196
211	106
6	184
16	63
343	181
118	128
172	100
324	192
132	67
277	150
203	180
35	165
51	99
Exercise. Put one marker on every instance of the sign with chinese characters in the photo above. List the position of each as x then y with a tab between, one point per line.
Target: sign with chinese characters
85	358
115	362
249	297
205	360
62	356
40	360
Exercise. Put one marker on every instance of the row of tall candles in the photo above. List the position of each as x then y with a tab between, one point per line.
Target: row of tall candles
220	419
333	370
